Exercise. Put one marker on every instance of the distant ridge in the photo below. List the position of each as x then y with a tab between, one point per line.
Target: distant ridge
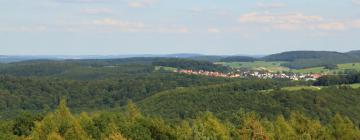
320	57
295	55
355	53
307	59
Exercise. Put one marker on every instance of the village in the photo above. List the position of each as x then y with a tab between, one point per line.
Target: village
254	74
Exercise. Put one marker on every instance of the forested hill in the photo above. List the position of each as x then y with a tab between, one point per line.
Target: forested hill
225	100
190	64
354	53
296	55
305	59
203	107
102	68
238	59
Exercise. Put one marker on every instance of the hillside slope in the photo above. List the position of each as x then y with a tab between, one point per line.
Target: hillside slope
186	102
306	59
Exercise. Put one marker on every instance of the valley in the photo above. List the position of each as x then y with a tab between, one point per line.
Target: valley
163	96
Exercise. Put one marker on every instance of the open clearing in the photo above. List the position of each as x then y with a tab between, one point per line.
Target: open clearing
257	65
341	67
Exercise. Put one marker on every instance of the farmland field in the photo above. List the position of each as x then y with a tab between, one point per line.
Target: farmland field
341	67
165	68
257	65
355	85
295	88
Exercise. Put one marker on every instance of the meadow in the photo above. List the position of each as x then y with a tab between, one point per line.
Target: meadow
341	67
274	66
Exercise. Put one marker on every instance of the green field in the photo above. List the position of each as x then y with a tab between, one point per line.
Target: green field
165	68
295	88
341	67
257	65
355	85
276	67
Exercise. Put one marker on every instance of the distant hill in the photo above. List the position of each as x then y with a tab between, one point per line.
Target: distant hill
211	58
354	53
226	99
305	59
238	59
190	64
296	55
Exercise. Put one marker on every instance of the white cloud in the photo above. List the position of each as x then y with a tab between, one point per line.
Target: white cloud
171	30
332	26
355	23
120	24
214	30
294	21
141	4
24	29
113	25
288	26
97	10
270	5
289	18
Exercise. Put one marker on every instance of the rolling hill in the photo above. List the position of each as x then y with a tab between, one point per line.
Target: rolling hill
185	102
238	59
296	55
354	53
307	59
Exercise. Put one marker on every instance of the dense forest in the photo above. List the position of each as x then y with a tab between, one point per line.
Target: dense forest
132	124
349	78
238	59
120	99
191	64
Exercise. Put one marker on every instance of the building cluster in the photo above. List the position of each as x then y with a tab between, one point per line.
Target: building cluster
257	74
205	73
292	76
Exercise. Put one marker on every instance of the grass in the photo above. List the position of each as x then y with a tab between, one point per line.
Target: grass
257	65
341	67
165	68
355	85
311	70
295	88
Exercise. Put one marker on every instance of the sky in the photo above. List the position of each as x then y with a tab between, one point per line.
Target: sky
216	27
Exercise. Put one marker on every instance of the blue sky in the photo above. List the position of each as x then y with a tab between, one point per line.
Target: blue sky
111	27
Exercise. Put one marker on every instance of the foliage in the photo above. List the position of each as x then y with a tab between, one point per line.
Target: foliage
327	80
165	105
191	64
238	59
223	101
62	125
273	66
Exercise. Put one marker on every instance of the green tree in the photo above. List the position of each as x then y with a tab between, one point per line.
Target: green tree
207	126
251	128
282	130
344	129
60	122
132	111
